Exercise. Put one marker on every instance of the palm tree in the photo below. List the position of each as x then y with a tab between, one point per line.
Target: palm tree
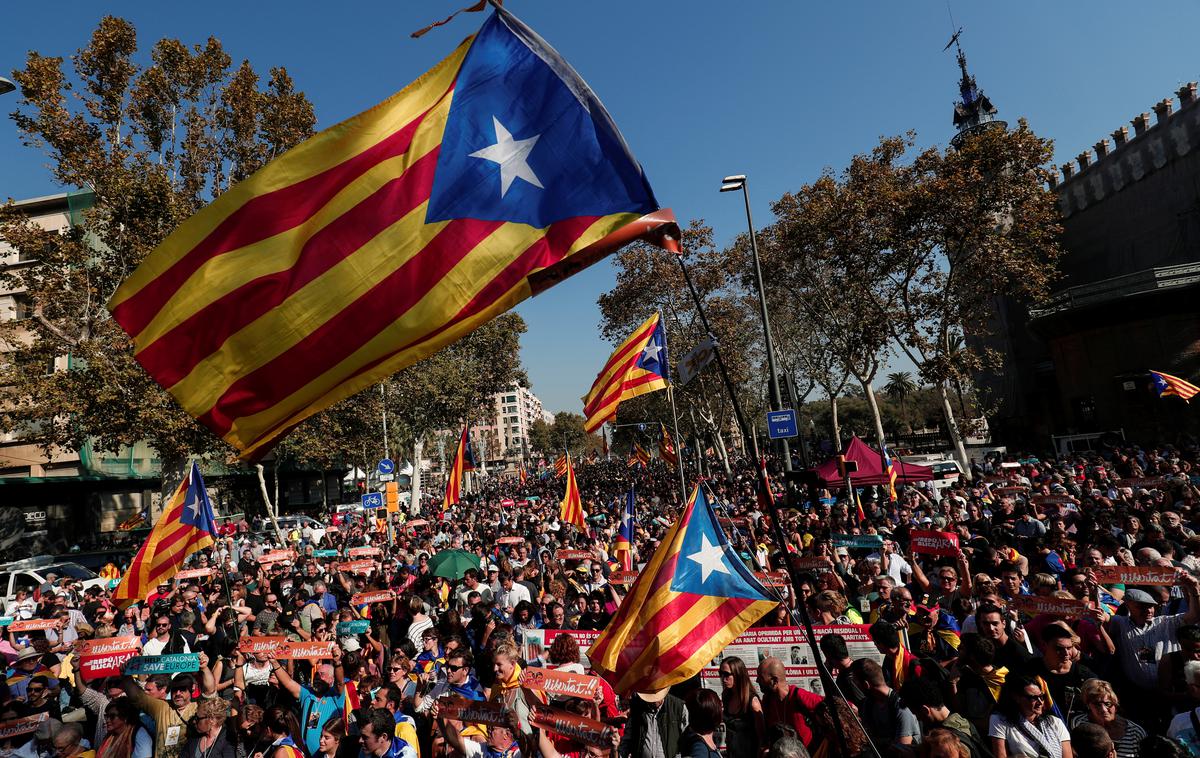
900	386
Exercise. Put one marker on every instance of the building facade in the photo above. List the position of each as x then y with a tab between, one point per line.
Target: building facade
1126	302
505	436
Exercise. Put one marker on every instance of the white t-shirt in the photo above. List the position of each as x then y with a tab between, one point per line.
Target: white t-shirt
1030	739
153	646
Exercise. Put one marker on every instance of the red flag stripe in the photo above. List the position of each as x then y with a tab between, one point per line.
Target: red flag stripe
653	626
172	356
623	358
619	389
350	329
713	622
661	576
165	564
259	218
538	255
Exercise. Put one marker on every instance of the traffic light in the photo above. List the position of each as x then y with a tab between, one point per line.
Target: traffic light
845	467
787	391
391	496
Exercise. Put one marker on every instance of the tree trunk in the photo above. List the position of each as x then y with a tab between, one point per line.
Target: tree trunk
174	470
724	452
324	492
414	505
873	403
271	513
956	438
833	420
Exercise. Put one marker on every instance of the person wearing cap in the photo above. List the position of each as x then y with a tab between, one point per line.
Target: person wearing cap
1143	637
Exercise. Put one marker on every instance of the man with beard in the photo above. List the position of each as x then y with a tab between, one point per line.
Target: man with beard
325	697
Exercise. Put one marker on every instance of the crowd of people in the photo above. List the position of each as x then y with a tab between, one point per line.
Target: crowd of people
1014	642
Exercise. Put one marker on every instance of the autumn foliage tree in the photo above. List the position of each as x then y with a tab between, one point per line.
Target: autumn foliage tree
153	140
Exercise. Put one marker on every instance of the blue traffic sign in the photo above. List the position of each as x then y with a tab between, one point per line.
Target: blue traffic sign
386	466
372	500
781	424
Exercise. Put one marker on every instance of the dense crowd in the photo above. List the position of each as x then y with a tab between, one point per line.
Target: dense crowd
1015	641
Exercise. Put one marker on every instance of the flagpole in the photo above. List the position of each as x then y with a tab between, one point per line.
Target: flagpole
827	681
674	414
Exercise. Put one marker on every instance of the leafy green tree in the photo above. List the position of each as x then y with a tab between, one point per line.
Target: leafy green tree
153	142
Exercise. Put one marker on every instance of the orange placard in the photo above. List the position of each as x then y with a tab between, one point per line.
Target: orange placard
475	712
256	645
511	541
562	683
772	578
366	598
365	566
25	725
276	556
107	645
812	564
417	522
622	577
1145	575
194	573
363	552
33	625
1061	606
581	728
311	649
574	555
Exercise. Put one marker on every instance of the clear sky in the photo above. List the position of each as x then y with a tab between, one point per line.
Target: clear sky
775	90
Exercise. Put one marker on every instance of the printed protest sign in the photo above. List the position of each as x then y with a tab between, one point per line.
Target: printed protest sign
581	728
934	543
103	665
365	551
622	577
309	649
276	556
1146	575
417	522
554	682
574	555
860	541
256	645
812	564
107	645
33	625
17	727
196	573
772	578
378	596
511	541
1060	606
358	626
475	712
172	663
325	553
364	566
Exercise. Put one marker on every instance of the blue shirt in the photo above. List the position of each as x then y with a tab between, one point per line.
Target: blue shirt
314	712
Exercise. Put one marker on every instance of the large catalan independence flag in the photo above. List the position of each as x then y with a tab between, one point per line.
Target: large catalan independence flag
637	366
690	601
186	525
571	507
382	239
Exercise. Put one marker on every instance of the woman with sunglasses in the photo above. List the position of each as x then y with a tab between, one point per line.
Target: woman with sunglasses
212	740
744	723
1023	725
126	737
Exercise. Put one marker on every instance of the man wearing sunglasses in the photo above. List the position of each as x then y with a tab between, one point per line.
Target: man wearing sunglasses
460	680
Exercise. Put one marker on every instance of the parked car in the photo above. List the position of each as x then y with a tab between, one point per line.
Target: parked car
30	574
288	523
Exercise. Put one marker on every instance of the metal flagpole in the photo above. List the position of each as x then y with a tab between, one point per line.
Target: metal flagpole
666	366
827	681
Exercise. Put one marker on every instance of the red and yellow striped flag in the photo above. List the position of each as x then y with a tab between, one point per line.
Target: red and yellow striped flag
637	366
571	509
460	466
560	465
1165	384
384	238
638	456
186	525
691	600
666	446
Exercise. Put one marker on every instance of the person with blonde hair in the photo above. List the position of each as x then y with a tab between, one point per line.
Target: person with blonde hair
212	740
942	743
1100	706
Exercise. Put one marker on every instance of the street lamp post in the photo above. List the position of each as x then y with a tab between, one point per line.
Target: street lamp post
6	86
732	184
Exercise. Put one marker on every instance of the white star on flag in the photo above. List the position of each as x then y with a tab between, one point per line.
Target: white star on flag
710	557
512	156
651	351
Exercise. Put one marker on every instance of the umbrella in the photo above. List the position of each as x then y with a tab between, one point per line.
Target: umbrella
452	564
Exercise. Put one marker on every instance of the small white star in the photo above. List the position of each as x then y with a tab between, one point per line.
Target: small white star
710	557
195	506
651	352
626	518
512	155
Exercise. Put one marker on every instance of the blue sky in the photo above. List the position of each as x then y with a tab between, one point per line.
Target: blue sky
774	90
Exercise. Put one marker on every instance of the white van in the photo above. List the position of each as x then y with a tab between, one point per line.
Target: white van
30	574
